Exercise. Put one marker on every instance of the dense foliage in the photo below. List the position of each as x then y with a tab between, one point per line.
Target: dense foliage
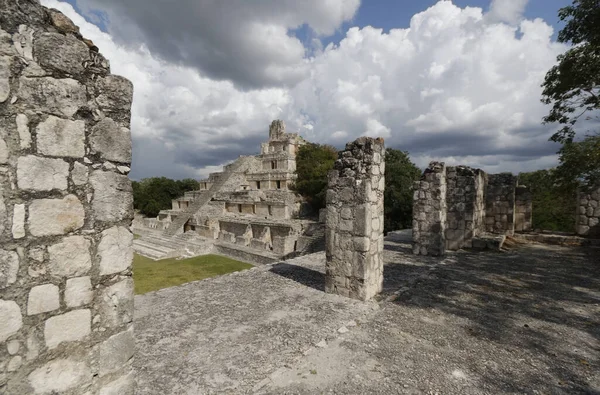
313	162
580	161
554	200
400	174
573	85
150	195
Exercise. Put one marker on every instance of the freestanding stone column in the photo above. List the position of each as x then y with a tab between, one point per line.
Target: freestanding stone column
66	292
429	211
354	225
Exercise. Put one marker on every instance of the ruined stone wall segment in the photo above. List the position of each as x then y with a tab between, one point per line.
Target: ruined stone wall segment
66	292
354	224
429	211
523	209
588	213
500	203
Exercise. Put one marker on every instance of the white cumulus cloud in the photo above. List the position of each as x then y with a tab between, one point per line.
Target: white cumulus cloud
457	84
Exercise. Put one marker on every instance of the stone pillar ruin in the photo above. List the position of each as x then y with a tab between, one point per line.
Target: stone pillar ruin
500	203
465	204
354	224
523	209
429	211
588	213
66	291
455	205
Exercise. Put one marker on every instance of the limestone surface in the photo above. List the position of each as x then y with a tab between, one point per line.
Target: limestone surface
61	137
42	174
55	216
71	257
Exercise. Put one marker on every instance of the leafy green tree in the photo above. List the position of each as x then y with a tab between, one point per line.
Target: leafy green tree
580	161
553	200
150	195
573	85
313	162
400	174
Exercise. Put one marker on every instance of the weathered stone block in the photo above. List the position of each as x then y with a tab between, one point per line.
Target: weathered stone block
43	298
71	257
18	223
113	198
115	250
42	174
78	291
11	321
72	326
115	352
122	386
23	130
60	375
111	141
62	97
9	267
61	137
115	303
61	52
79	175
114	93
55	216
5	62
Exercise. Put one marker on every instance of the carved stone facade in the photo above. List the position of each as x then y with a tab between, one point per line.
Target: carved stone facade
354	224
460	207
66	292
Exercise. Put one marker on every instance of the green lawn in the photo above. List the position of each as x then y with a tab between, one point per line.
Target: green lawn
149	275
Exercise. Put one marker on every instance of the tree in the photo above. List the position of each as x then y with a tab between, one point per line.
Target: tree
313	162
400	175
573	85
580	161
553	200
150	195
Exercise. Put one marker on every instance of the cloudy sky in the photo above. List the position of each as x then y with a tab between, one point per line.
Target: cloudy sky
455	81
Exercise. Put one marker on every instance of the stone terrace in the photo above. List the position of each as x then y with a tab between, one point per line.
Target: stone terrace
522	321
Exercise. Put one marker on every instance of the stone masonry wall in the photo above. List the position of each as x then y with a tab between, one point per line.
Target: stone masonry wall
523	209
354	224
66	292
500	204
429	211
464	202
588	215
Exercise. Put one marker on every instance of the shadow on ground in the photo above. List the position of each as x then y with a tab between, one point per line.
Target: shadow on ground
543	301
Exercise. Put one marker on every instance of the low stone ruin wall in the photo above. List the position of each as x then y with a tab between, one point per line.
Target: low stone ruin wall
588	213
66	301
354	224
454	206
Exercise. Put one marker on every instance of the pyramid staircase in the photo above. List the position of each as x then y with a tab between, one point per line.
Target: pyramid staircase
184	215
157	246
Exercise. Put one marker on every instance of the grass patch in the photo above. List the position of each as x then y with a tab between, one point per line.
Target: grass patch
135	237
149	275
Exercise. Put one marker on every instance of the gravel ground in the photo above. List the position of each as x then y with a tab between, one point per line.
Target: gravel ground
526	321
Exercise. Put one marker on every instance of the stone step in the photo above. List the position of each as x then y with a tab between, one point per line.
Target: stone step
153	246
147	252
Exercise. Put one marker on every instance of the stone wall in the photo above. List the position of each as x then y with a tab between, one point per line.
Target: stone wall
429	211
588	215
66	292
465	205
523	209
354	225
500	203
